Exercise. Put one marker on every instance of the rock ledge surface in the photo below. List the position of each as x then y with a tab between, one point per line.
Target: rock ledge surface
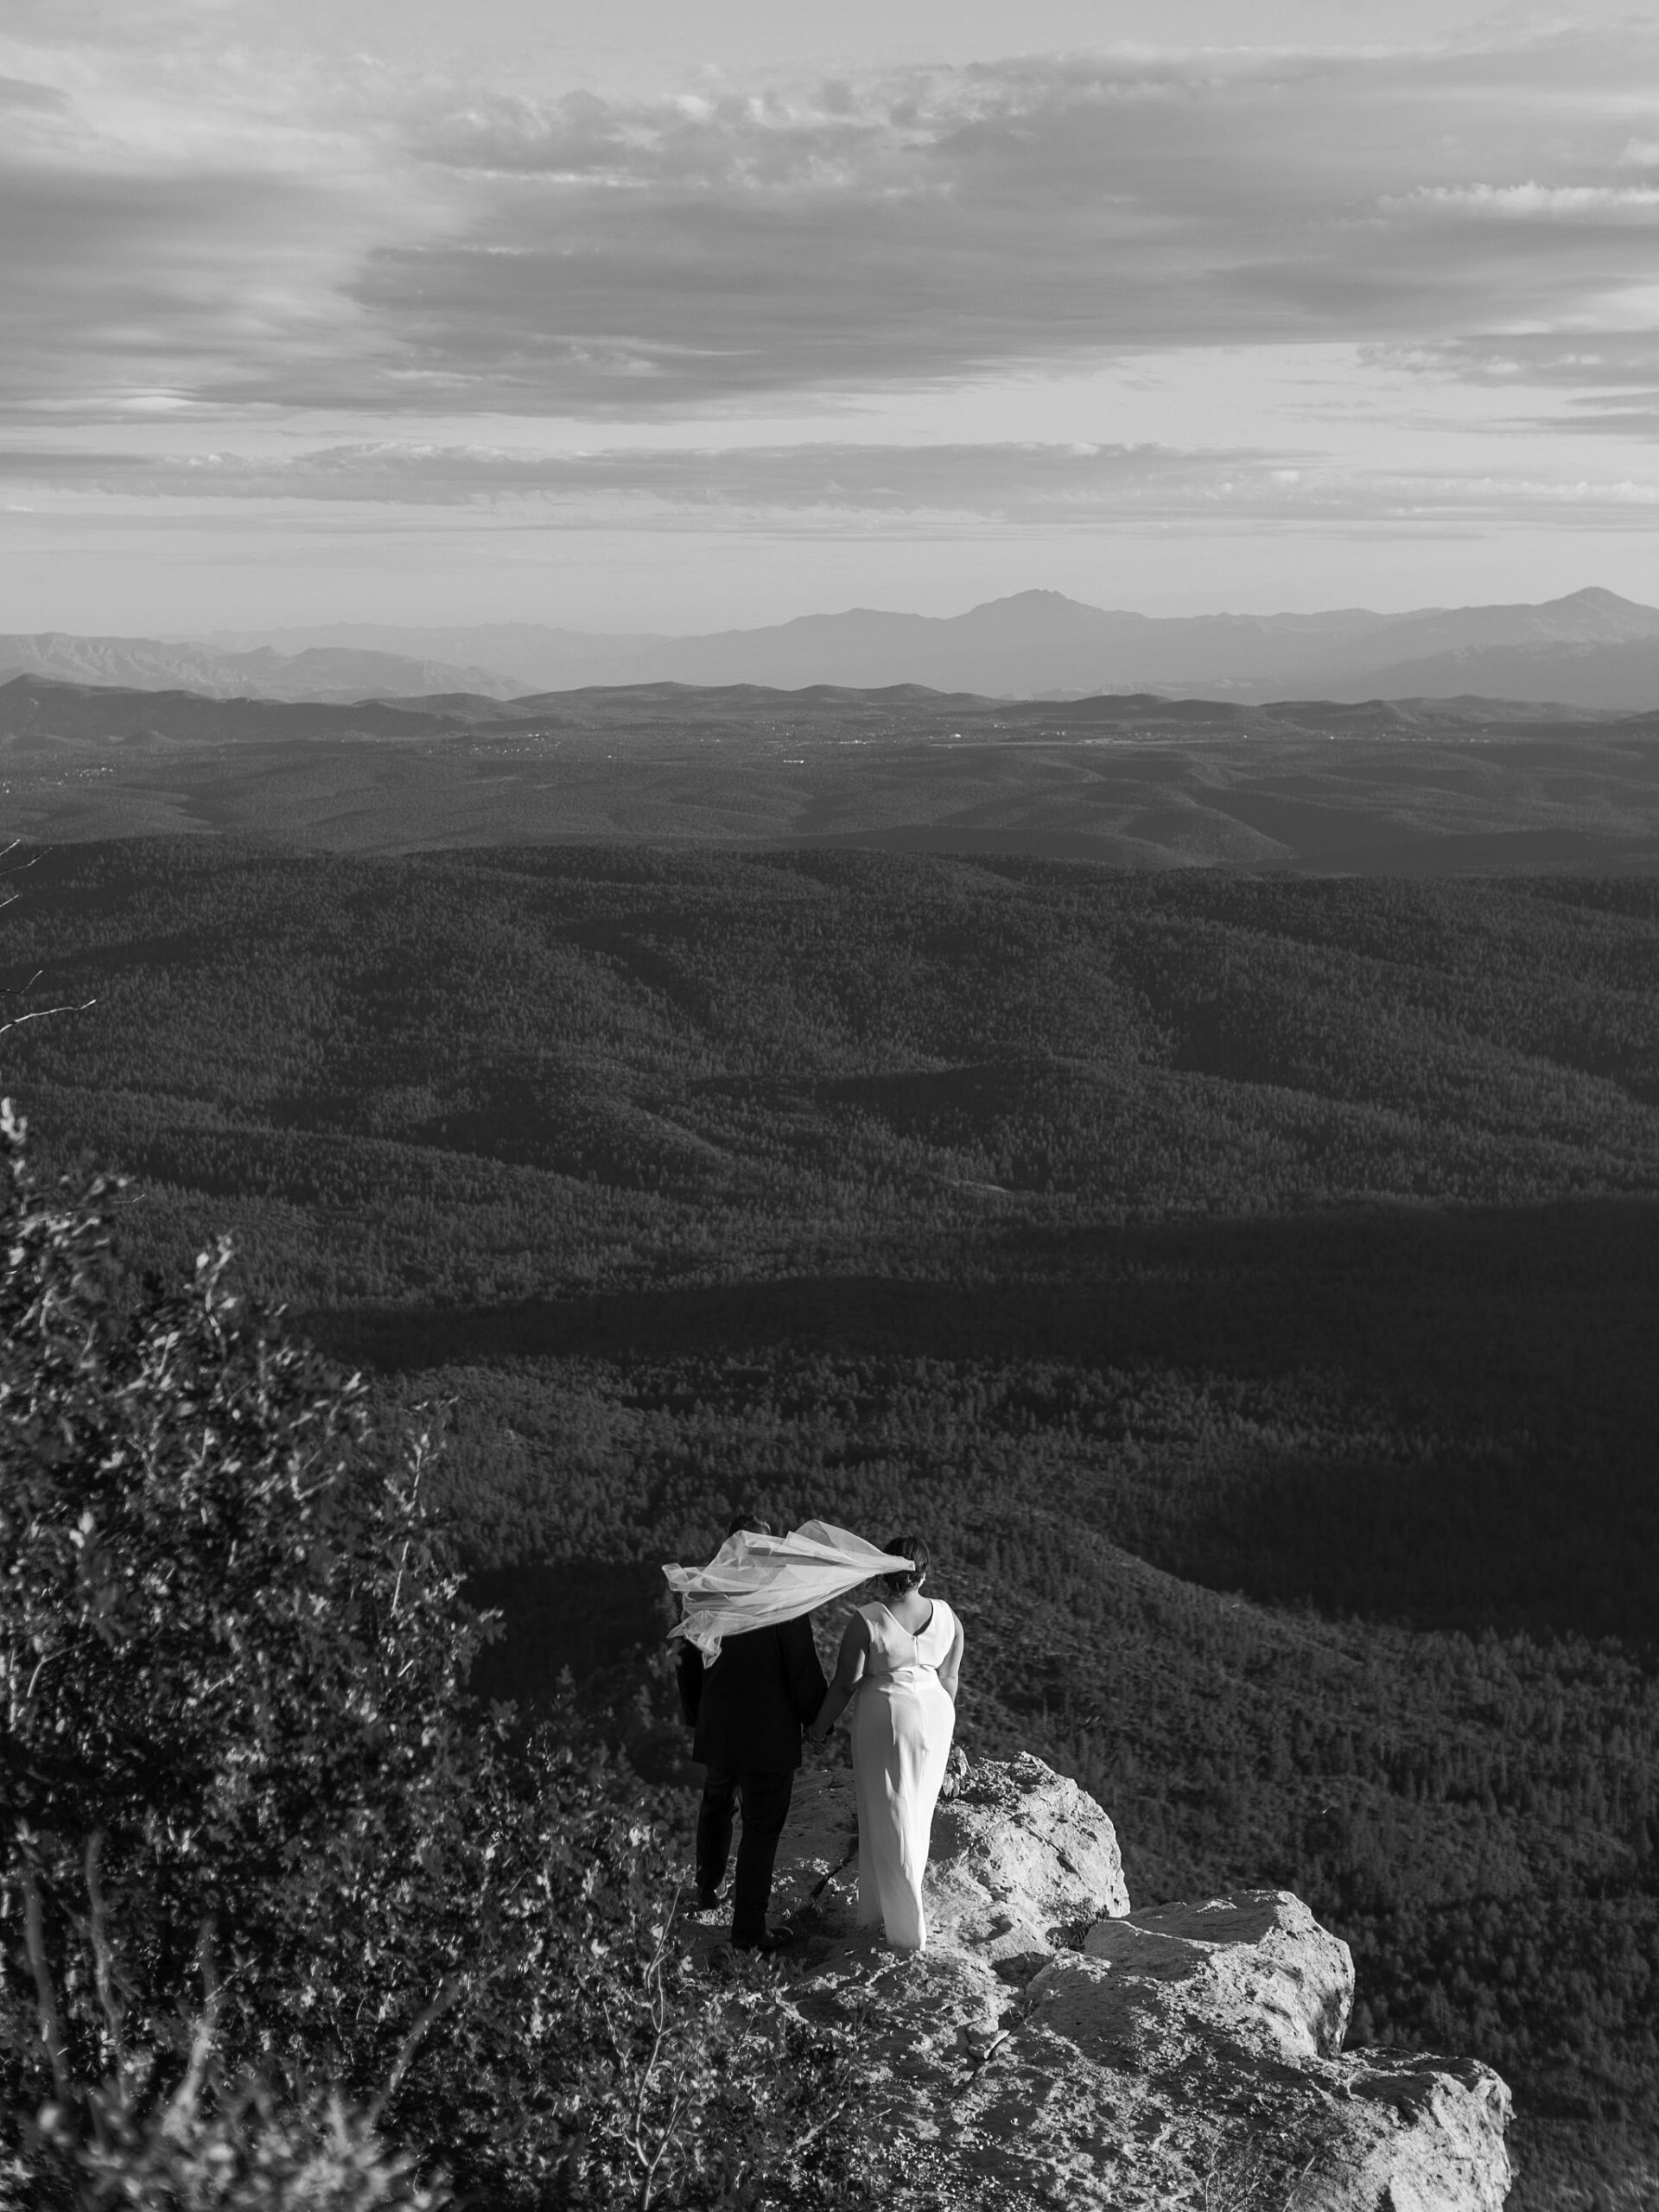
1054	2048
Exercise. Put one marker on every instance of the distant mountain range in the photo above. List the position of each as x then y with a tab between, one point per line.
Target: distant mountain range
1591	648
315	672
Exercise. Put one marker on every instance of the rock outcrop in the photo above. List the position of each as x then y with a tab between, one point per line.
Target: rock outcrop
1052	2047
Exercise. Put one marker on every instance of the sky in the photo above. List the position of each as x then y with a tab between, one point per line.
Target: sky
690	315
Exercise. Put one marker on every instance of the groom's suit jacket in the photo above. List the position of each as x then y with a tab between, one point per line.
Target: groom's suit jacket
748	1709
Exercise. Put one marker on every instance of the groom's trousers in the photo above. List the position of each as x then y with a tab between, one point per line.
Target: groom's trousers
765	1802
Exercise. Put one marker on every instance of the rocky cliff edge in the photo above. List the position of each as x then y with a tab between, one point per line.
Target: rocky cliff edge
1054	2047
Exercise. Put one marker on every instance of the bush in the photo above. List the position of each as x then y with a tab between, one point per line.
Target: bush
244	2154
270	1884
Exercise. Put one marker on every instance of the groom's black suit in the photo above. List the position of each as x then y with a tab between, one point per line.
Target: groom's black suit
749	1710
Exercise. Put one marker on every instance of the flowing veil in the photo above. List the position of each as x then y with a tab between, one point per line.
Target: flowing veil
756	1582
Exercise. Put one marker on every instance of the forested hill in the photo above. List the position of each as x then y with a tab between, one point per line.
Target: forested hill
706	1067
1444	786
1249	1284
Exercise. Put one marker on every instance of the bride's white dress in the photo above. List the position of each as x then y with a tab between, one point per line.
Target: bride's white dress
903	1718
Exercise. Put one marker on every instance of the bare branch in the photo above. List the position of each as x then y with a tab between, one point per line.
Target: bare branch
103	1957
182	2109
421	1455
420	1448
448	1989
43	1013
45	1996
40	1014
670	2125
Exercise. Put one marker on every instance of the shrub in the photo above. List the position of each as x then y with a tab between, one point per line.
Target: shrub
242	2152
270	1885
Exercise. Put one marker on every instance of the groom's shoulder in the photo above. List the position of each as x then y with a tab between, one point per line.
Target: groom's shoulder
751	1644
786	1635
788	1640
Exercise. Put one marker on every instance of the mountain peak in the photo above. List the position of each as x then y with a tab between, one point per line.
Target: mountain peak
1594	595
1038	596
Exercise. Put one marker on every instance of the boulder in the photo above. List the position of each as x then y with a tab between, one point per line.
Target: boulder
1415	2134
1021	1859
1256	1967
1054	2047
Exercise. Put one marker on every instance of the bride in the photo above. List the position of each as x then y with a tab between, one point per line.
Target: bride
899	1660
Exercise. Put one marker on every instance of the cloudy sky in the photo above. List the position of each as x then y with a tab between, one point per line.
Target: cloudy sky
677	314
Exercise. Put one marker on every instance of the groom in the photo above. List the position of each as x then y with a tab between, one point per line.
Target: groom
749	1710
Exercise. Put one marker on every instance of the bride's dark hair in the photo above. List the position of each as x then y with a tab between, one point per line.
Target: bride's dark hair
913	1549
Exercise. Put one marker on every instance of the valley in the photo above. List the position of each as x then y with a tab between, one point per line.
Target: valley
1250	1281
1134	780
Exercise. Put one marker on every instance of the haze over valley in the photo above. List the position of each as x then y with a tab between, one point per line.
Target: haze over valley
1591	648
1133	780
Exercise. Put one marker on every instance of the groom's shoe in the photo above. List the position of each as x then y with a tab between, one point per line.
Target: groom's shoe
766	1942
707	1900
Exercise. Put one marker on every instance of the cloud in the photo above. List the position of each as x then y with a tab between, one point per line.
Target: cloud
946	224
181	232
391	247
832	486
18	94
1609	378
1511	201
995	479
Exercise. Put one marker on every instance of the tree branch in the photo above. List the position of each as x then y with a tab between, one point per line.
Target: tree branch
181	2110
45	1996
658	2017
103	1957
448	1989
41	1015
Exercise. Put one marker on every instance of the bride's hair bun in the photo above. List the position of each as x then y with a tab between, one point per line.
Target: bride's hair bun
915	1550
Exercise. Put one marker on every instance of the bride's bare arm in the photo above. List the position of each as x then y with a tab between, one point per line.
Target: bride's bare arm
854	1649
949	1672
